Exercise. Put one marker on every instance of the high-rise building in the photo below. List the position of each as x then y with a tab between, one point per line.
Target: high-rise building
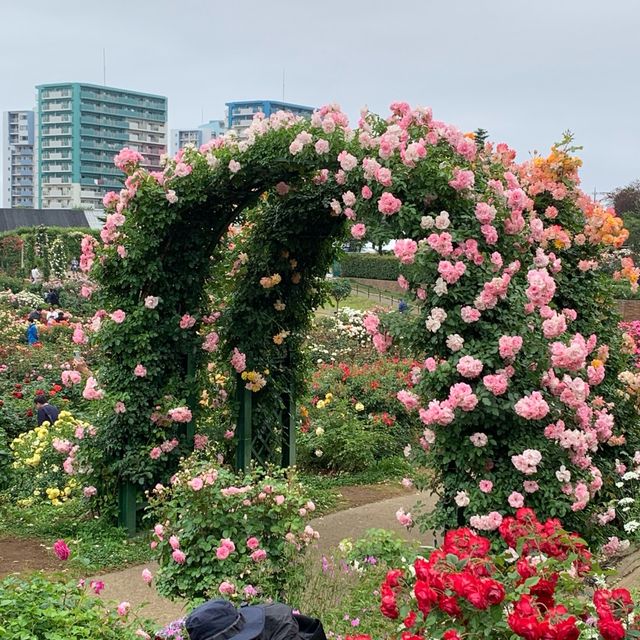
180	138
240	114
17	159
80	128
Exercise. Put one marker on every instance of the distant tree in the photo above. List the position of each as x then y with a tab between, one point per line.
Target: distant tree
339	289
626	199
481	136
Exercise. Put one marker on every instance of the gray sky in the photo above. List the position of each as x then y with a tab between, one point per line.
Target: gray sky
525	70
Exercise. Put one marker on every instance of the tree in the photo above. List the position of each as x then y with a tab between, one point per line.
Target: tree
481	136
626	199
339	289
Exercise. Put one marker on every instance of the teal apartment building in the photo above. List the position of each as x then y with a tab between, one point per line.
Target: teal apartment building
80	128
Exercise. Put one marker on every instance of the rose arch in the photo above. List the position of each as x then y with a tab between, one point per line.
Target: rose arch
519	392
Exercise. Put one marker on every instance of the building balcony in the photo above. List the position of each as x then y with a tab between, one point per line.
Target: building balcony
56	131
55	119
56	106
56	168
52	94
55	180
56	144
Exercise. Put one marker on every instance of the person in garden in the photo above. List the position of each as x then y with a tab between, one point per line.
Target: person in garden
36	314
35	275
402	306
75	265
52	298
46	412
32	332
219	619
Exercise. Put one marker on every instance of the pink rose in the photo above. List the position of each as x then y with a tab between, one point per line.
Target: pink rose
358	231
253	543
118	316
486	486
222	553
389	204
140	371
178	556
147	576
259	555
196	484
61	549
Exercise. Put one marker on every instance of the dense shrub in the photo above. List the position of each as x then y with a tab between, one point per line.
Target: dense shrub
369	265
353	417
219	533
40	608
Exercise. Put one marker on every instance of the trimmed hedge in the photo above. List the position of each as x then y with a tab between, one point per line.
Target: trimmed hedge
369	265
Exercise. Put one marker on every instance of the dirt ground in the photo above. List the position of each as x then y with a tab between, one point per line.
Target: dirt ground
24	555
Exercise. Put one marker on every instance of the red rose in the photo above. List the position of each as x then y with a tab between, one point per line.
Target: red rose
449	604
410	620
494	591
611	629
425	595
524	626
393	576
451	634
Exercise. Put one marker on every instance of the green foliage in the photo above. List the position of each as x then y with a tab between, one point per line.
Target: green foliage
96	545
37	607
208	508
339	289
40	246
333	590
353	417
369	265
379	545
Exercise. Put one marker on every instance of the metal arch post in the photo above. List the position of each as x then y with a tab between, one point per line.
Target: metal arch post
127	507
289	431
244	427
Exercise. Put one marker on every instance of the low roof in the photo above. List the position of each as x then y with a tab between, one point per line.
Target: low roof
16	218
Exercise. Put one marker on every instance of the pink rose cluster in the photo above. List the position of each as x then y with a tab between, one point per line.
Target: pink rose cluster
527	462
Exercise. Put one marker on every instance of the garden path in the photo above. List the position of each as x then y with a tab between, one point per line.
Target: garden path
334	527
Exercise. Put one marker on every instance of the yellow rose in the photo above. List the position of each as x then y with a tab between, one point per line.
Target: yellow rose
320	404
359	406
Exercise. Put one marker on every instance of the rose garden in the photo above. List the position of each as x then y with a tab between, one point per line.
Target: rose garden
209	413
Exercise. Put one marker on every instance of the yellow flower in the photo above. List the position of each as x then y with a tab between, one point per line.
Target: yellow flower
596	363
320	404
359	406
328	397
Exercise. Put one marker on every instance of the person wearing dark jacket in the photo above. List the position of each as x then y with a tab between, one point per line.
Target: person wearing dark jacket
52	298
46	412
220	620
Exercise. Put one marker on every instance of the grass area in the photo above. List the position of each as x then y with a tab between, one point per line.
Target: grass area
324	489
358	303
96	544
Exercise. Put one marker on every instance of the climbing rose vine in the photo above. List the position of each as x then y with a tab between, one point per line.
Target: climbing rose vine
518	391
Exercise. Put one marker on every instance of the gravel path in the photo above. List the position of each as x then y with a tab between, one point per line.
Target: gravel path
350	523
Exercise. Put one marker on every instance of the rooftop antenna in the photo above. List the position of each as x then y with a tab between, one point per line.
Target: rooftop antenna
104	66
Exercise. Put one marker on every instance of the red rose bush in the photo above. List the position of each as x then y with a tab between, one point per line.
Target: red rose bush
536	589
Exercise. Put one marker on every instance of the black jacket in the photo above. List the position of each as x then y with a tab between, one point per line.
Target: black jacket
280	623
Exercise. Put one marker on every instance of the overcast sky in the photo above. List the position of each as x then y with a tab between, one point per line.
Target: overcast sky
525	70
